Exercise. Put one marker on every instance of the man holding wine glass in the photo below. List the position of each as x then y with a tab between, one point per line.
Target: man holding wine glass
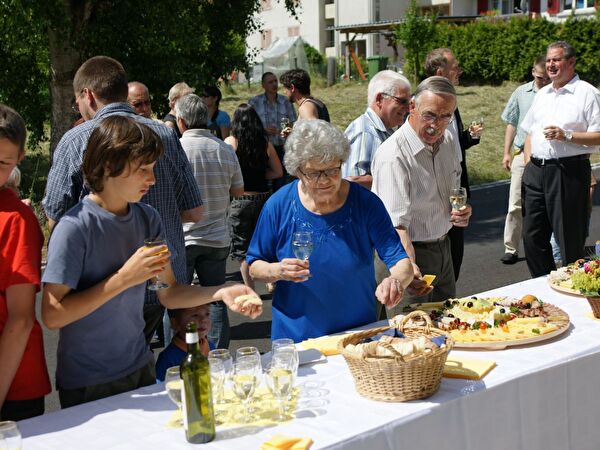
442	62
416	173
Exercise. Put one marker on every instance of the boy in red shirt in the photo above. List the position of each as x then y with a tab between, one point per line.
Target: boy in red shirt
24	377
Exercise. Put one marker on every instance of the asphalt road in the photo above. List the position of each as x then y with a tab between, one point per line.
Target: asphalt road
481	270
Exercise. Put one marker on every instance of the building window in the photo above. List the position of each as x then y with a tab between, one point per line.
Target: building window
294	31
503	6
265	4
578	4
266	39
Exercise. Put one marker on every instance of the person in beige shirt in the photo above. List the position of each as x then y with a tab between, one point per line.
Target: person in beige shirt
413	173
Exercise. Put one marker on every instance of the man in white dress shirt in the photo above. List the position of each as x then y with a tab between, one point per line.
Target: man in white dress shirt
413	173
563	127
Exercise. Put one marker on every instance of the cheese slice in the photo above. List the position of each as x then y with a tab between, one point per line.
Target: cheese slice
326	344
467	368
428	279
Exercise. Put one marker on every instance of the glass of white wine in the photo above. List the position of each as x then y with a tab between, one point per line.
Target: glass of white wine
279	376
458	198
217	379
245	381
156	242
222	355
302	244
173	385
476	128
10	436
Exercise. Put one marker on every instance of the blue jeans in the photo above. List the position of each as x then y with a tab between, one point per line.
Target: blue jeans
209	263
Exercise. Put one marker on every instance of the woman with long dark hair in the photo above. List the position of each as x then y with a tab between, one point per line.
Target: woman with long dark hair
259	162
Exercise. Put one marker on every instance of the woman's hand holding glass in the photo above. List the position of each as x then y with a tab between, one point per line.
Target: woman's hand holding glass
292	269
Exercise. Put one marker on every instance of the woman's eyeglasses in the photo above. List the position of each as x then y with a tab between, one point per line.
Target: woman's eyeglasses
314	175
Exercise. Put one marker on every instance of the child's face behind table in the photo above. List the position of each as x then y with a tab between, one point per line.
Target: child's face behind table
198	314
135	182
9	157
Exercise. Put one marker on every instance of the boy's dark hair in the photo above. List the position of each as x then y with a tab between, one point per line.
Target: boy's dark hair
12	127
297	77
105	77
115	143
175	313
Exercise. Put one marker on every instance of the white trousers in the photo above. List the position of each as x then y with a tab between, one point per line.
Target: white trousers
514	217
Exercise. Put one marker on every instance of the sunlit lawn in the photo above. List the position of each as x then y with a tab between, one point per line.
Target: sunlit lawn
346	101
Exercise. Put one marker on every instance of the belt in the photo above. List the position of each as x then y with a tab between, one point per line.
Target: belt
258	196
434	241
546	161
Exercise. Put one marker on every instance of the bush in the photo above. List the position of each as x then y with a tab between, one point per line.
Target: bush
493	51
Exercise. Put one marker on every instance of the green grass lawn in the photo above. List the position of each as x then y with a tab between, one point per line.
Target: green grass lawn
346	101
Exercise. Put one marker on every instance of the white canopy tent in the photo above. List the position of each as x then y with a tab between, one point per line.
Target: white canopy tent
282	55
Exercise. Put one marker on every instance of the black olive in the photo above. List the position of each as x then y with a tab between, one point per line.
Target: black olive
447	303
451	315
455	302
469	304
502	310
474	298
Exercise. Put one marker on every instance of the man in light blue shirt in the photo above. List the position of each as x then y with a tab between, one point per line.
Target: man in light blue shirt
514	139
388	98
273	109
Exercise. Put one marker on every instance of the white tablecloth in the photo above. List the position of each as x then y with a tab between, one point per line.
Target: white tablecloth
543	396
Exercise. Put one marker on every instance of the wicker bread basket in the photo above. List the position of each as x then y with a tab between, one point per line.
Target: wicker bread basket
595	304
398	378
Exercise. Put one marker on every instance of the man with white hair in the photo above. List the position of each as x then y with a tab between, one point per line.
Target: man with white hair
388	98
413	173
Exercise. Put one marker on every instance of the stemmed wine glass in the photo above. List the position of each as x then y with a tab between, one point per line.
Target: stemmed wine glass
157	283
173	384
284	352
10	436
221	365
458	198
302	244
279	376
246	370
476	128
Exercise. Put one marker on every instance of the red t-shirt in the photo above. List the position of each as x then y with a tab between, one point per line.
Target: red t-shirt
20	260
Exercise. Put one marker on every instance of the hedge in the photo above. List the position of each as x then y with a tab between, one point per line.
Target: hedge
492	51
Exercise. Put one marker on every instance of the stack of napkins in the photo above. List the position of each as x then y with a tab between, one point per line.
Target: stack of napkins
326	344
470	369
281	442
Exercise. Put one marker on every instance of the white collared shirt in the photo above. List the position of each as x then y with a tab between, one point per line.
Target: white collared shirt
573	107
414	183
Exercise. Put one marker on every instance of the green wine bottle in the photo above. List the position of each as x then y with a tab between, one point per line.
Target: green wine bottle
198	414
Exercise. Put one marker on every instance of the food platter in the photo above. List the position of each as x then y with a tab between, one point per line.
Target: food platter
560	279
498	334
564	289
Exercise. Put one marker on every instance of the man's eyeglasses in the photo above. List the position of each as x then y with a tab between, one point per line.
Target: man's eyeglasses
314	175
432	118
399	100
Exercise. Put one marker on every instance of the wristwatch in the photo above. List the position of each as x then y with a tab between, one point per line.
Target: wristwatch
568	136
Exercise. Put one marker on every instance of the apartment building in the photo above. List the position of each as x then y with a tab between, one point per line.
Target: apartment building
325	24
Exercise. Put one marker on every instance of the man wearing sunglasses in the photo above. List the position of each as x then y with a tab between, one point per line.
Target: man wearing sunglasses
139	99
414	172
442	62
388	97
513	160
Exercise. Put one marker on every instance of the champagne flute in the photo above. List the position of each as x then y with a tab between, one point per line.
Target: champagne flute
458	198
245	381
476	128
222	355
155	242
285	123
217	378
302	244
10	436
173	384
280	380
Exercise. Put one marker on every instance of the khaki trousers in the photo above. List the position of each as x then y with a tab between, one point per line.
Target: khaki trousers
514	217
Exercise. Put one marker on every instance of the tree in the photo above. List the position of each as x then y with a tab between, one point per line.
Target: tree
416	33
159	43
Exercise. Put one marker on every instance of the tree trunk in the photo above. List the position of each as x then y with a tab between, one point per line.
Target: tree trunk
64	62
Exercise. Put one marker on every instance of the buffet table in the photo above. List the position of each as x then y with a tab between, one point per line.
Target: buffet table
542	396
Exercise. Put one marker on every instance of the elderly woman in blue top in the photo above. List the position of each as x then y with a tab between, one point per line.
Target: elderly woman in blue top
334	290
